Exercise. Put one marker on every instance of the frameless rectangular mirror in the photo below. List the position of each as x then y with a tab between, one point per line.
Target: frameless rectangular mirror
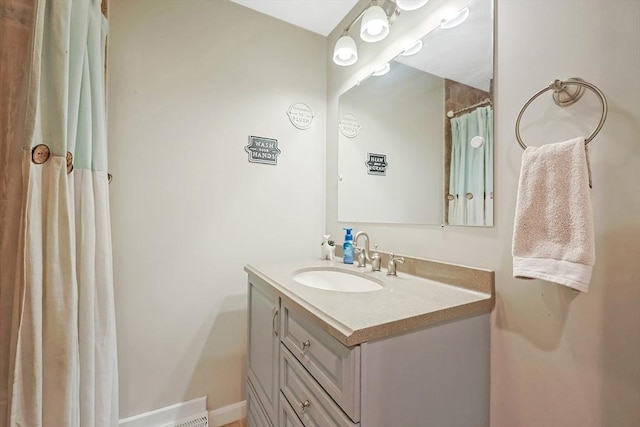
415	144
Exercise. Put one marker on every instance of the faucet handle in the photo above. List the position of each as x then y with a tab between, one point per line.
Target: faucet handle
375	259
391	267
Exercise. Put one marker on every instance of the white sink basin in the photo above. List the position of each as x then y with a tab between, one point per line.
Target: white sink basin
336	280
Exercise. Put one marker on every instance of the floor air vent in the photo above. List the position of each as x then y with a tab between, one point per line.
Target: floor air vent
200	420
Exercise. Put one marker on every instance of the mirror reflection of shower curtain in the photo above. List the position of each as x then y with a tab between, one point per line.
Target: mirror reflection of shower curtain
471	176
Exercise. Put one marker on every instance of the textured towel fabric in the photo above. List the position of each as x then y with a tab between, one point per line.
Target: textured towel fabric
553	236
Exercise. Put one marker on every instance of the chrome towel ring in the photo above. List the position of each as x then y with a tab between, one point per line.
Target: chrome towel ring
564	95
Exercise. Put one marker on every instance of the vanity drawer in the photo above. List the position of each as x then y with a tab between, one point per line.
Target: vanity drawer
256	416
288	417
310	402
334	366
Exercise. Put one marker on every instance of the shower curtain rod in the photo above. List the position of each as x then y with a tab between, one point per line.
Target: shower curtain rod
451	114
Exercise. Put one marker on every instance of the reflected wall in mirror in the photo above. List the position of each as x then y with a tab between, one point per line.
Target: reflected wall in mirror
431	116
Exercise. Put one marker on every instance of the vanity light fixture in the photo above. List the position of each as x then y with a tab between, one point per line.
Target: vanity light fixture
412	50
382	70
455	19
345	52
374	26
410	4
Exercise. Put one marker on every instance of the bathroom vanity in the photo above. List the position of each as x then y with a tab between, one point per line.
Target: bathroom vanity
415	352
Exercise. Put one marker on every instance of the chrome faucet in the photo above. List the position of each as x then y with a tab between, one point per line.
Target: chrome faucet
363	253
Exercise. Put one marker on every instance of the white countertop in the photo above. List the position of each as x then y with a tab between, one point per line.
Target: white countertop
404	303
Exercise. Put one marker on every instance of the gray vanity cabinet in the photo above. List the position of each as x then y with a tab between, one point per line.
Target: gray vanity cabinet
263	354
302	376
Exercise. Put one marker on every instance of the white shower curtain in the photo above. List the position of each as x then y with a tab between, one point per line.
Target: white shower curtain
471	176
63	369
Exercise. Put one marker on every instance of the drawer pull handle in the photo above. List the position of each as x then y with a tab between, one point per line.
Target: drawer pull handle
273	323
304	405
305	345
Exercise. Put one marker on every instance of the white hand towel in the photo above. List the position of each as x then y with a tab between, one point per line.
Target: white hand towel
553	237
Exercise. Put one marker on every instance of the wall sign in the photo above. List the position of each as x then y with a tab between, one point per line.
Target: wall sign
349	125
263	150
377	164
300	115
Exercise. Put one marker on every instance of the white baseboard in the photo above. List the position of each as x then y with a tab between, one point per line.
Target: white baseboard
228	414
174	413
167	415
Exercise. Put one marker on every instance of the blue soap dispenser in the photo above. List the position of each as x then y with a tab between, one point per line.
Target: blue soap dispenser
347	247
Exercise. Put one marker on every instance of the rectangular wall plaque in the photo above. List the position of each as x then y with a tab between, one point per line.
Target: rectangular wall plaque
263	150
376	164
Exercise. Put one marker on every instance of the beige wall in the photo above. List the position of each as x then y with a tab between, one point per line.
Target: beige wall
559	358
189	81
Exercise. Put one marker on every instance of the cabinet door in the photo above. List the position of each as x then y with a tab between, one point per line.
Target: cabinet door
263	345
255	414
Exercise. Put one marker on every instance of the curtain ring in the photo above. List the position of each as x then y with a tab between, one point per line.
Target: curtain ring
69	162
